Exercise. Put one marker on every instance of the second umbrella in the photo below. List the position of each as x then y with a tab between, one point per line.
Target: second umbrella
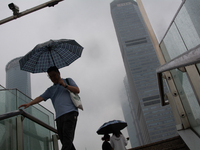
111	126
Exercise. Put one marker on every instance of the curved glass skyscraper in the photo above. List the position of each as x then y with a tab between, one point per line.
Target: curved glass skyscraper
16	78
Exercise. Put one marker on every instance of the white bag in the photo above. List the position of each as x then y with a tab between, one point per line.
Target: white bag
75	98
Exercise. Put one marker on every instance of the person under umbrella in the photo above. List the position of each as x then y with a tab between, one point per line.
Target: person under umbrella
66	112
106	145
118	141
114	126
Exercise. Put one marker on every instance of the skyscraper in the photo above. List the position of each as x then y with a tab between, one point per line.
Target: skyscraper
140	61
16	78
133	127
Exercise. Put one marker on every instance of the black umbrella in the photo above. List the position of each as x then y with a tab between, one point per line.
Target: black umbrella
111	127
59	53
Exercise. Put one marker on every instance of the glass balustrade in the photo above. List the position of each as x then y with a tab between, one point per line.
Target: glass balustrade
181	37
8	134
36	137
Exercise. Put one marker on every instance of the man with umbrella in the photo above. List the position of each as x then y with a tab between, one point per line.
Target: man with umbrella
66	112
58	54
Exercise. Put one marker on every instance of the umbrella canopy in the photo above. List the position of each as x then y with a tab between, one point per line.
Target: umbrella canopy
111	126
59	53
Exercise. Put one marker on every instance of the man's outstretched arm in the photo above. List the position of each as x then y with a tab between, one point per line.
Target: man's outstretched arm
35	101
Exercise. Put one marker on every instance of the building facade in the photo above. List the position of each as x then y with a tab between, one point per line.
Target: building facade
140	61
133	127
17	78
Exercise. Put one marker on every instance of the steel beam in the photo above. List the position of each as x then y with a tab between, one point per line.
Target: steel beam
28	11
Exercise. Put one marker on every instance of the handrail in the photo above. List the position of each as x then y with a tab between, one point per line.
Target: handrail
23	113
10	114
26	96
188	58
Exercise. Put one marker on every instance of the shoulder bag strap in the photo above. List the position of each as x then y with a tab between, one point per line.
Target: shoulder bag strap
67	81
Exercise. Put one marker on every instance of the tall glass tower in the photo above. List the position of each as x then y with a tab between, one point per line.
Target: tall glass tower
140	61
133	127
16	78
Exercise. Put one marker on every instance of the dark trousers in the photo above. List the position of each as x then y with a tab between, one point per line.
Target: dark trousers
66	125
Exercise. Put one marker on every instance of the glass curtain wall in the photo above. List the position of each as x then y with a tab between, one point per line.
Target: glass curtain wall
182	36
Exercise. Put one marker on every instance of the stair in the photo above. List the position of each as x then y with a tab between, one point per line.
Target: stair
175	143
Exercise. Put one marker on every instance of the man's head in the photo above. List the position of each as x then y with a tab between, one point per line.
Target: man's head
54	74
106	137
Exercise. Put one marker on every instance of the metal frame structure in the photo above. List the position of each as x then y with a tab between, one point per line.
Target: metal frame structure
188	58
28	11
185	62
21	115
167	75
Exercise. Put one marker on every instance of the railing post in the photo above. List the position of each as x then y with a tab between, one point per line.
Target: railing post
193	76
20	137
177	101
179	125
55	142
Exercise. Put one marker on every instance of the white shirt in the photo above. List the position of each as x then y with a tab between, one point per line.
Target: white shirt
118	143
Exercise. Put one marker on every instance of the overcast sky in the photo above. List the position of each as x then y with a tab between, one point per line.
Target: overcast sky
99	73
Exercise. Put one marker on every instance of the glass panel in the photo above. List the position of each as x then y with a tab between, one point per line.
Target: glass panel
192	7
8	101
37	111
1	87
172	45
187	29
188	98
8	134
36	137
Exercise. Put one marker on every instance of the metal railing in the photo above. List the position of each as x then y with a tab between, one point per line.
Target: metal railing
188	58
20	114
